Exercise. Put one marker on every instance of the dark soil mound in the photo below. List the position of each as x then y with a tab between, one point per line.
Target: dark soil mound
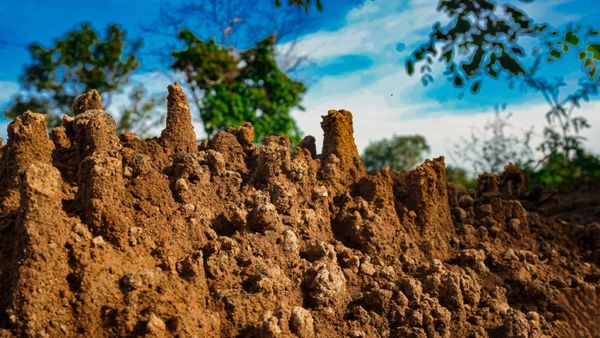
105	236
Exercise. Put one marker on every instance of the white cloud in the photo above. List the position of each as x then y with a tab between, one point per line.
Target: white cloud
370	29
7	89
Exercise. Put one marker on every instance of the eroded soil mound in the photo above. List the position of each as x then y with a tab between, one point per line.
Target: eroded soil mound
105	236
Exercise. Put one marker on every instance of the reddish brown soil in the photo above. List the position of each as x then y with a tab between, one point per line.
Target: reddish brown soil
105	236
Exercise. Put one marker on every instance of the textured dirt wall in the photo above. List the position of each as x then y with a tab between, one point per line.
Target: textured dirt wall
104	235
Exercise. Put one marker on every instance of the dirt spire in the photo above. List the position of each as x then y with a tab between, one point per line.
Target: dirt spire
179	134
28	143
339	140
88	101
40	223
425	192
28	140
101	182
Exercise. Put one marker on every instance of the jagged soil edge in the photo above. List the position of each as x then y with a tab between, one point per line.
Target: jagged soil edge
110	236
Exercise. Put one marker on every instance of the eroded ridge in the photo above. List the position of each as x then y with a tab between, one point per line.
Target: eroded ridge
105	235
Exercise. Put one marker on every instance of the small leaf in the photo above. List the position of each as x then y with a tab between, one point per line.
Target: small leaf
447	55
517	50
475	87
555	53
595	49
458	81
510	64
581	56
410	67
572	38
418	55
462	25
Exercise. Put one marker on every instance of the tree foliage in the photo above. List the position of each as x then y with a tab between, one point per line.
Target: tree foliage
483	39
398	152
78	62
479	40
583	42
235	23
559	171
565	159
460	177
230	88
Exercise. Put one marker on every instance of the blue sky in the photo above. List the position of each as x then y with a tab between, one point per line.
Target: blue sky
356	51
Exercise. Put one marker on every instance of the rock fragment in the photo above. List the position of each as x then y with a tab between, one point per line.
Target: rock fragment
302	322
324	282
155	325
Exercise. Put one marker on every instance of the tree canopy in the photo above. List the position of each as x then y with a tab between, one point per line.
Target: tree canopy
483	38
79	61
398	152
230	88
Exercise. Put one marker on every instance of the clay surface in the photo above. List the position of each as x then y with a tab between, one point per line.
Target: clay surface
104	236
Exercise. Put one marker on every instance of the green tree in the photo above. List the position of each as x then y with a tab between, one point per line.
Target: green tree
235	23
229	88
460	177
397	152
558	171
79	61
